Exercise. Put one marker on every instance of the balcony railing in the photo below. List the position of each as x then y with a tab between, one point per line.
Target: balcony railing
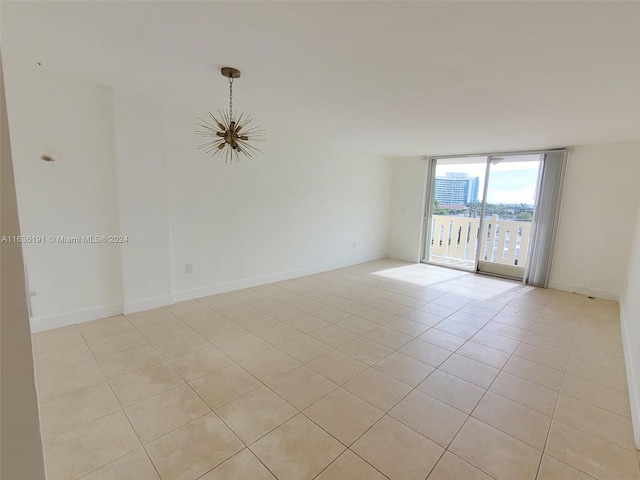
502	241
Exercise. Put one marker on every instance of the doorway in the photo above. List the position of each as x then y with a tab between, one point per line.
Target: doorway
480	211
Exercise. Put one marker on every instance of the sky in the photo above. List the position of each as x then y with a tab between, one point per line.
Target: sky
512	180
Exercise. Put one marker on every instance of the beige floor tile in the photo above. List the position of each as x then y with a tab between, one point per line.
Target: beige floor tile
187	308
305	349
243	465
278	334
68	380
442	339
544	327
56	338
483	354
337	366
601	359
358	325
297	450
408	327
181	345
428	319
468	319
256	321
432	418
365	350
135	465
243	346
495	452
333	335
544	357
398	451
523	423
150	317
452	390
302	387
224	385
425	352
144	383
343	415
451	467
598	422
378	389
78	408
349	466
222	331
513	320
505	344
389	337
600	375
193	449
306	323
163	331
196	364
526	393
470	370
83	450
203	320
104	327
552	469
270	364
505	330
404	368
255	414
167	411
612	400
548	343
455	328
590	454
52	362
129	360
534	372
118	342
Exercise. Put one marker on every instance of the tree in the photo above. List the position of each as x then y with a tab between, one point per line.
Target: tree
437	210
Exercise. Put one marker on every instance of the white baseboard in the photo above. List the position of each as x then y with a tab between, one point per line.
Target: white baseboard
148	304
263	279
404	257
589	292
42	323
633	378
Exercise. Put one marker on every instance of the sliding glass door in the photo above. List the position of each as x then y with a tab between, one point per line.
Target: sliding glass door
480	211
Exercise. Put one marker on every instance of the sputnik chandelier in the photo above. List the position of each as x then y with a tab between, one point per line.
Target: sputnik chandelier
231	135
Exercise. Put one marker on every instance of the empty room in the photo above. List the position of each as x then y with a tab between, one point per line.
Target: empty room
363	240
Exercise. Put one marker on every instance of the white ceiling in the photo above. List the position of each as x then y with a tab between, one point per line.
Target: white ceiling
395	78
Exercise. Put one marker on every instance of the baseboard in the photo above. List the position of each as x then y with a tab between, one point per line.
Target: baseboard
148	304
589	292
632	376
42	323
404	257
263	279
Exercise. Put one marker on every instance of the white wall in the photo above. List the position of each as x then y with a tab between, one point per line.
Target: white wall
74	195
303	206
407	208
129	165
597	219
630	325
143	200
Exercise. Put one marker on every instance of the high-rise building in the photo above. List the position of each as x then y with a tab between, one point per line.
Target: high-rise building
456	188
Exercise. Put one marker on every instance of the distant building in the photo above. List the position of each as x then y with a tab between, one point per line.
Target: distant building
456	189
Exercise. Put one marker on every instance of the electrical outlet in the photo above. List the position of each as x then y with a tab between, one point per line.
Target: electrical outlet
189	267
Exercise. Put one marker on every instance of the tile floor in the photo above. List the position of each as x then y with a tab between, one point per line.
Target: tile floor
379	370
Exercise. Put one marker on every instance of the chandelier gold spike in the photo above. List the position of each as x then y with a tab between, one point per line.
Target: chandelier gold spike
231	136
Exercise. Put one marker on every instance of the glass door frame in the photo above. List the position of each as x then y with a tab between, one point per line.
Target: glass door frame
429	191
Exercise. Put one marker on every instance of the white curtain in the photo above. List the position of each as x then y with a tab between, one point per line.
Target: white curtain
545	219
